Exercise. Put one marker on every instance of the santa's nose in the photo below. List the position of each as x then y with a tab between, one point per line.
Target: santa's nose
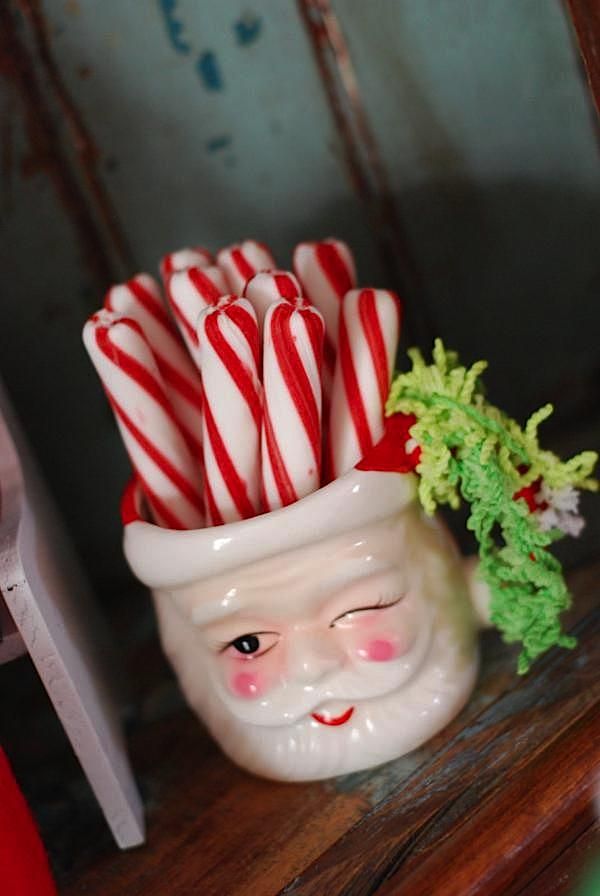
312	657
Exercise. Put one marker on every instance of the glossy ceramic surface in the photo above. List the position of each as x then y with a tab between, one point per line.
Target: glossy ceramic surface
327	637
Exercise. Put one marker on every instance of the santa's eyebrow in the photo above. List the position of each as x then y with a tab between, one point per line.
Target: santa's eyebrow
207	614
378	573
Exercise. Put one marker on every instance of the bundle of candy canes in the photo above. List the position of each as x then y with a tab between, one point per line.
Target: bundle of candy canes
240	388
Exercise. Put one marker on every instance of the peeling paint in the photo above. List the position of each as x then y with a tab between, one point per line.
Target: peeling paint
214	144
44	146
365	166
208	69
586	21
84	146
174	26
247	29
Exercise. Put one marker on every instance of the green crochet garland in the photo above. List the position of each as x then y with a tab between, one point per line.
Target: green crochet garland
469	448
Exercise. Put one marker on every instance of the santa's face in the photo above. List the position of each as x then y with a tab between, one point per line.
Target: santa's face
329	658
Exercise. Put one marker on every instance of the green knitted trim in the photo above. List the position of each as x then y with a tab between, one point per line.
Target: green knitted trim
471	449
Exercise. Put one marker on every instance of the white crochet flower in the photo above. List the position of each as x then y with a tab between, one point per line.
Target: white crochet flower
561	511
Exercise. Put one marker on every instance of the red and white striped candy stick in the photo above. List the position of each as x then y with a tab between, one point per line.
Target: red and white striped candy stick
189	257
160	456
242	261
229	350
189	293
367	344
181	260
291	435
267	287
326	271
141	300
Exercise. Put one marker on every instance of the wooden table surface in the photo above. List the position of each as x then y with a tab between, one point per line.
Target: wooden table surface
501	802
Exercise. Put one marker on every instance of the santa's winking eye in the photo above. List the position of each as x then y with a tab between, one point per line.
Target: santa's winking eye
350	615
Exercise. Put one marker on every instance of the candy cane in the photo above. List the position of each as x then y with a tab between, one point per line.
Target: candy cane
229	347
291	435
189	293
368	340
140	299
267	287
242	261
135	389
197	256
326	272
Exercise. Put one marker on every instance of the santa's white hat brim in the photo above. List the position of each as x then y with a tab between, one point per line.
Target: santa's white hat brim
166	558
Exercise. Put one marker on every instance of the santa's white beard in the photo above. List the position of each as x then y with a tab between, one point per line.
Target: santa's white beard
380	729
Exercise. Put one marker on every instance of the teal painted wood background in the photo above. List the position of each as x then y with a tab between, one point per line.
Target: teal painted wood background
451	142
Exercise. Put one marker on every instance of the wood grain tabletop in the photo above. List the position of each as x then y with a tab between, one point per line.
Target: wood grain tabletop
500	802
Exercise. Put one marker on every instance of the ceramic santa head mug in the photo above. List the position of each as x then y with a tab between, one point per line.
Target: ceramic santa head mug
328	636
339	632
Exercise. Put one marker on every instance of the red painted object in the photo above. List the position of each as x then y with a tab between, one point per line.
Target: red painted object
336	720
24	869
390	454
530	495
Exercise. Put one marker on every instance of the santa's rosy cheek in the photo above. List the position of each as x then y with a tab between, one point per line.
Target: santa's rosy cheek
247	685
379	650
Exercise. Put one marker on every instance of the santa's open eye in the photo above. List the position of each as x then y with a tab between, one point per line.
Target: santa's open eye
247	644
252	644
350	616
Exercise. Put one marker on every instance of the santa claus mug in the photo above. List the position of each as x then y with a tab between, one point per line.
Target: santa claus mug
329	636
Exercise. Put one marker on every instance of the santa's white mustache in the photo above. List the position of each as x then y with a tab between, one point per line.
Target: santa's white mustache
292	700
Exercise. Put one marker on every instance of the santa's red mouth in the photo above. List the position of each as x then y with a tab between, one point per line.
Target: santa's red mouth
333	720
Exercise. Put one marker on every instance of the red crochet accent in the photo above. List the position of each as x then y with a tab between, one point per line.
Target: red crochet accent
389	455
529	494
